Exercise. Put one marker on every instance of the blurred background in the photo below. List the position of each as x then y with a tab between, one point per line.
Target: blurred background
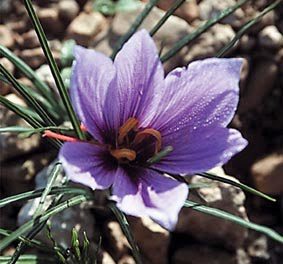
198	239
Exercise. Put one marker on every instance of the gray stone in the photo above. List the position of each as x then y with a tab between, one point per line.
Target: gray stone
214	230
68	10
6	37
270	37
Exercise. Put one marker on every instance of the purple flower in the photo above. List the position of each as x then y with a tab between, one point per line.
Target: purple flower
133	113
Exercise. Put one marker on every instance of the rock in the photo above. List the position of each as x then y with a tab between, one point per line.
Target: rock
270	37
210	9
5	87
118	243
106	258
6	37
258	249
5	6
33	57
78	217
247	43
152	239
85	27
203	254
45	75
68	10
189	10
244	74
30	40
174	29
202	227
210	42
11	146
18	176
49	18
127	260
267	174
261	82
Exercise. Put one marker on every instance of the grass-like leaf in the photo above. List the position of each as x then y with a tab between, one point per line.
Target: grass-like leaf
37	193
30	224
235	219
236	184
29	259
126	230
246	27
30	74
54	68
170	12
27	96
51	180
208	24
29	119
140	18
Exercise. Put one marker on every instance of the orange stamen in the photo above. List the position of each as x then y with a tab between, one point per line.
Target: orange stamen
124	153
50	134
130	124
149	132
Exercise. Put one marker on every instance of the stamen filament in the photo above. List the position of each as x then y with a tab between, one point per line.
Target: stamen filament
130	124
50	134
124	153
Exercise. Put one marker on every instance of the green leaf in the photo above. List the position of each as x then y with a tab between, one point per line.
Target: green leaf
37	193
236	184
127	5
126	230
235	219
246	27
75	245
30	74
140	18
29	259
170	12
29	225
54	68
208	24
106	7
67	55
43	113
51	181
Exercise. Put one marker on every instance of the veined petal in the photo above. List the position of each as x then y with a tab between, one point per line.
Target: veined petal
87	164
202	96
139	78
92	74
201	150
147	193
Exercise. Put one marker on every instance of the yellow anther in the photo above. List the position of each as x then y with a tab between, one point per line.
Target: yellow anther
149	132
121	154
129	125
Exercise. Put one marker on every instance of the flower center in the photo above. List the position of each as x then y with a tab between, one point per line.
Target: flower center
135	144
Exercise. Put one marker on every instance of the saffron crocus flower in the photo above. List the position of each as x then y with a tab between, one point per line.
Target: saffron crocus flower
136	115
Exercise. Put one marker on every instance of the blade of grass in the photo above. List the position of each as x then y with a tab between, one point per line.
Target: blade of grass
32	243
170	12
37	193
29	119
29	225
126	230
246	27
18	129
54	69
27	96
235	219
51	181
188	38
29	259
38	97
236	184
140	18
30	74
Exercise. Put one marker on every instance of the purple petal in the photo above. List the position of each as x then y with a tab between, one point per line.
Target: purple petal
139	77
92	74
204	95
85	163
147	193
201	150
